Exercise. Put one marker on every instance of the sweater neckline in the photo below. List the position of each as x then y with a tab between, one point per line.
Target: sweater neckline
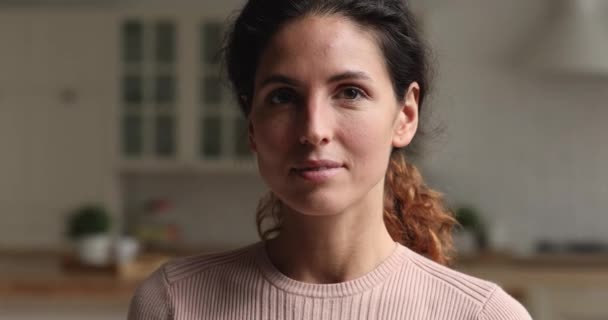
332	290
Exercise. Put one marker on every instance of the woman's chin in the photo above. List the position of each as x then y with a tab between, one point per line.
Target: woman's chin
315	207
326	200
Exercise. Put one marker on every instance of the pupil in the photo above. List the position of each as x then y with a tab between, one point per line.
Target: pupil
282	96
351	93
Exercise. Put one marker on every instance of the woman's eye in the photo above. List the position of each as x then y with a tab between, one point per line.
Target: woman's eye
282	96
351	93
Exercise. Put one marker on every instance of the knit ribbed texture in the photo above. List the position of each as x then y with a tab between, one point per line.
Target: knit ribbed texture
244	284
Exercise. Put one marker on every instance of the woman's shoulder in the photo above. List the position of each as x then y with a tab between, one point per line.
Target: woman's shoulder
491	301
475	288
153	298
182	268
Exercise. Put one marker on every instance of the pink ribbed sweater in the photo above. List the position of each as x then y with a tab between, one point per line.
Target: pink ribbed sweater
243	284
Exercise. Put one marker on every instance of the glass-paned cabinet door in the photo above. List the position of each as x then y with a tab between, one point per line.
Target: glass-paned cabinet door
211	136
223	129
148	88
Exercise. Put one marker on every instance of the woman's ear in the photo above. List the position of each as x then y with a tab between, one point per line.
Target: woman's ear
406	122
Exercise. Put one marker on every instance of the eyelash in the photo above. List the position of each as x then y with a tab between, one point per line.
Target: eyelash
360	93
292	96
276	93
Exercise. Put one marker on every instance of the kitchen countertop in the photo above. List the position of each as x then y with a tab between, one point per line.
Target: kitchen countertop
538	270
46	275
41	275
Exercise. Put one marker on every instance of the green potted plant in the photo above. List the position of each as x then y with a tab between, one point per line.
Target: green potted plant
471	234
89	228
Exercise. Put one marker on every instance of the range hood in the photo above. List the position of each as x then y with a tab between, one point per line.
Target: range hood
574	39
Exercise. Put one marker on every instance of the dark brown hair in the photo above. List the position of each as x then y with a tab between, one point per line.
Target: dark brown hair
414	214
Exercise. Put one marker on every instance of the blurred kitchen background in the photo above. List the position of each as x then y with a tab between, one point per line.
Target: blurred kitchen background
117	112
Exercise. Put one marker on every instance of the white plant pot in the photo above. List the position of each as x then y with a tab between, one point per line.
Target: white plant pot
465	242
95	249
126	250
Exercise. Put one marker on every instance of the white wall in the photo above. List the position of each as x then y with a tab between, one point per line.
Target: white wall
529	150
215	211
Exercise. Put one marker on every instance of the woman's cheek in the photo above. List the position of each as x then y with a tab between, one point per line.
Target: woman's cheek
270	132
362	135
368	146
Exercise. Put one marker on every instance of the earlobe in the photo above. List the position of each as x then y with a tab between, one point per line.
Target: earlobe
407	120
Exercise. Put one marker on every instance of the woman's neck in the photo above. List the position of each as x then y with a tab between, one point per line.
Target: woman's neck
330	249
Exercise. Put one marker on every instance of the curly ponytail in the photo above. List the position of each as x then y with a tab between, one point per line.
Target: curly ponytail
414	214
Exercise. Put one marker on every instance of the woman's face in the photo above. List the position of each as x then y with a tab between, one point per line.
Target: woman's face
324	117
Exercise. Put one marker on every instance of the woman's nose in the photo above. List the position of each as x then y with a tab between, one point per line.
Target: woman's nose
316	123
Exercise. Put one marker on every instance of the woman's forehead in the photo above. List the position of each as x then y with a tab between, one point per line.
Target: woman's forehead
323	46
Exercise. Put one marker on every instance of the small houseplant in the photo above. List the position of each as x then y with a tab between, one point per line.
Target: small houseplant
471	234
89	228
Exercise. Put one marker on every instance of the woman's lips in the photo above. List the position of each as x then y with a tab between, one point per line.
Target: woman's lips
317	170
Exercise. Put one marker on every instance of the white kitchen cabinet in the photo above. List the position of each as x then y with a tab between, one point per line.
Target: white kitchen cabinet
569	302
55	113
14	65
64	110
559	287
176	111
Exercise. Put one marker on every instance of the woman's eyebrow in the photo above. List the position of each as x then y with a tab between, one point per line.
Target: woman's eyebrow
279	78
350	75
347	75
